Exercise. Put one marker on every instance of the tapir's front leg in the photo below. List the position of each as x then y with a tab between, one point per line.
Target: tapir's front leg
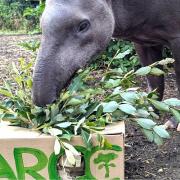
149	55
175	47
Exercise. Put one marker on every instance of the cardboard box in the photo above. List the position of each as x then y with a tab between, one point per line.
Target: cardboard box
26	155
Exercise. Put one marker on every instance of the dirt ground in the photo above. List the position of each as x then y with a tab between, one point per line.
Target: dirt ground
11	51
144	160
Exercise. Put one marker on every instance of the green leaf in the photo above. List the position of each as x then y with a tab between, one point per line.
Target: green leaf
166	61
161	132
55	131
156	71
9	116
100	139
91	108
118	71
176	114
1	116
76	84
146	123
57	147
149	134
91	124
36	110
15	68
21	94
59	118
160	105
129	96
158	140
8	87
75	102
70	111
99	111
47	114
76	128
127	108
154	115
70	157
143	71
107	144
67	137
110	107
65	96
122	55
111	83
86	139
96	128
143	113
8	103
54	110
64	124
71	148
5	93
117	91
29	83
18	80
83	107
3	107
172	102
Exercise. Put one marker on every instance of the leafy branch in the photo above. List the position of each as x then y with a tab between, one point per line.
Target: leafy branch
83	109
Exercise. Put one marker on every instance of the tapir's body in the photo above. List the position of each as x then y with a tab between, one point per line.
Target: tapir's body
74	31
147	22
151	25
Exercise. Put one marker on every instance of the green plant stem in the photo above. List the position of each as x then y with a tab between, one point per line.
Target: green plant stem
43	126
112	60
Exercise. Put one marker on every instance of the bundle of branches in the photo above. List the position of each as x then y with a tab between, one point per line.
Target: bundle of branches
83	109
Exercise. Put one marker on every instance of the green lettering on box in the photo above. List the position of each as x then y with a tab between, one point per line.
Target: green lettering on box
52	166
88	155
33	170
5	170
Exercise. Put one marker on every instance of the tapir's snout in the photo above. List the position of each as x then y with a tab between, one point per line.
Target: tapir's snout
49	79
44	89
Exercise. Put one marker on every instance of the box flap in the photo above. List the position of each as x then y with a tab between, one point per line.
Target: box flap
18	132
13	132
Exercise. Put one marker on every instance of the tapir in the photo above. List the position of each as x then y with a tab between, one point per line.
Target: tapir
76	31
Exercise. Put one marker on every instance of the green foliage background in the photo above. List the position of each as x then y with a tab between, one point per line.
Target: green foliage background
20	15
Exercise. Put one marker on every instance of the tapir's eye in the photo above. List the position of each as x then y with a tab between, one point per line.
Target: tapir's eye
84	26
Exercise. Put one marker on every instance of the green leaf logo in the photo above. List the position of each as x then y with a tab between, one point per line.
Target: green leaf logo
104	161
